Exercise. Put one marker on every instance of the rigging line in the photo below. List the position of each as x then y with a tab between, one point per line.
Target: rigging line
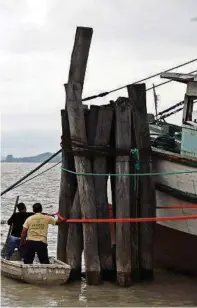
144	79
37	175
166	115
170	108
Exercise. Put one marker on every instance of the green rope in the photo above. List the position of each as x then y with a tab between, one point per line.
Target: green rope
128	174
135	152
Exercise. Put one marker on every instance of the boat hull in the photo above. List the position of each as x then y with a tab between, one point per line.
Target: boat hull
56	273
175	250
176	189
175	244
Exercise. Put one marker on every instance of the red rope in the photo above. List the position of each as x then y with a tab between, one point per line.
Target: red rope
192	206
178	207
119	220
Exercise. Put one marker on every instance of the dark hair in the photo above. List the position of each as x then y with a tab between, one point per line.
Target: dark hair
37	208
21	206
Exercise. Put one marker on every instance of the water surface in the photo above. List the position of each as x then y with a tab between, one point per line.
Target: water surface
168	289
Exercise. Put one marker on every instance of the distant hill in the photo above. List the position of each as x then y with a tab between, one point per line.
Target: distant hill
32	159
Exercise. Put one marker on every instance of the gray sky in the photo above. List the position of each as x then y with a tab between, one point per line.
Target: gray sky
131	39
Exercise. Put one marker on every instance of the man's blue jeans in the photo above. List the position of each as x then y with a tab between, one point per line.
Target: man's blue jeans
13	242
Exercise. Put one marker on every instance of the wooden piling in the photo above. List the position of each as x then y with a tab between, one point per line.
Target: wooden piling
68	186
82	164
74	245
123	230
102	138
134	207
111	162
137	96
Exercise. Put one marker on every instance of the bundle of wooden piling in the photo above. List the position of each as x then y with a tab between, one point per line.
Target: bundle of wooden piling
100	140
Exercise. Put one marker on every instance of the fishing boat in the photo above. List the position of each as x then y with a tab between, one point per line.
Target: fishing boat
55	273
176	241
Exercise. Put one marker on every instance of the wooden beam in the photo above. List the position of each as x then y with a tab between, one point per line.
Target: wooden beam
68	187
134	208
82	164
102	138
137	96
192	89
74	245
123	230
184	78
187	109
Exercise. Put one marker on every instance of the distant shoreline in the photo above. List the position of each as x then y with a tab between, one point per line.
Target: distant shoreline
32	159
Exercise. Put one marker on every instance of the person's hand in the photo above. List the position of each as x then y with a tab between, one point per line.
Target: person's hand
52	215
22	244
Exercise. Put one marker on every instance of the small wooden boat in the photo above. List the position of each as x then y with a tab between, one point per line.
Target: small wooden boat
56	272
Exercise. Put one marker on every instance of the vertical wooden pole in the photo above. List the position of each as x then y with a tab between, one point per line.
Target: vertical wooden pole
123	230
137	96
68	186
74	245
135	195
111	164
82	164
187	109
102	138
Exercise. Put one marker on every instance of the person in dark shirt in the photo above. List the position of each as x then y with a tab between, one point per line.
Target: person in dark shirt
17	220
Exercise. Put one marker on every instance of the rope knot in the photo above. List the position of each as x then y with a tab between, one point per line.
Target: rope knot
135	153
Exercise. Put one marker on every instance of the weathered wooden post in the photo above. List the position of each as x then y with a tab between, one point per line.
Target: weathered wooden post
102	139
68	186
137	96
82	164
111	167
123	230
74	245
134	206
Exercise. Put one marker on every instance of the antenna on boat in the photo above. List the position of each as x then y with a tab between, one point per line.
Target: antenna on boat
155	101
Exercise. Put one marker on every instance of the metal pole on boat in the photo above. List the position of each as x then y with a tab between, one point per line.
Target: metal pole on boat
155	101
31	172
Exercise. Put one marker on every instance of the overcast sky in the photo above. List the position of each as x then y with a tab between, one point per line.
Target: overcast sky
131	40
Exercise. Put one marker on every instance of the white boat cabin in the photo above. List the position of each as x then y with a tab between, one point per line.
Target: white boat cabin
189	121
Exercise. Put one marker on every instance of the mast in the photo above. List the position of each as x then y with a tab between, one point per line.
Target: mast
155	101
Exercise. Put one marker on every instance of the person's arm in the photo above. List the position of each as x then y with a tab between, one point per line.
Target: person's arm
29	214
59	222
11	220
24	232
54	222
23	236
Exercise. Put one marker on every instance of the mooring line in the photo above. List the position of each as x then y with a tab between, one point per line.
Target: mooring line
174	207
144	79
128	174
125	220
